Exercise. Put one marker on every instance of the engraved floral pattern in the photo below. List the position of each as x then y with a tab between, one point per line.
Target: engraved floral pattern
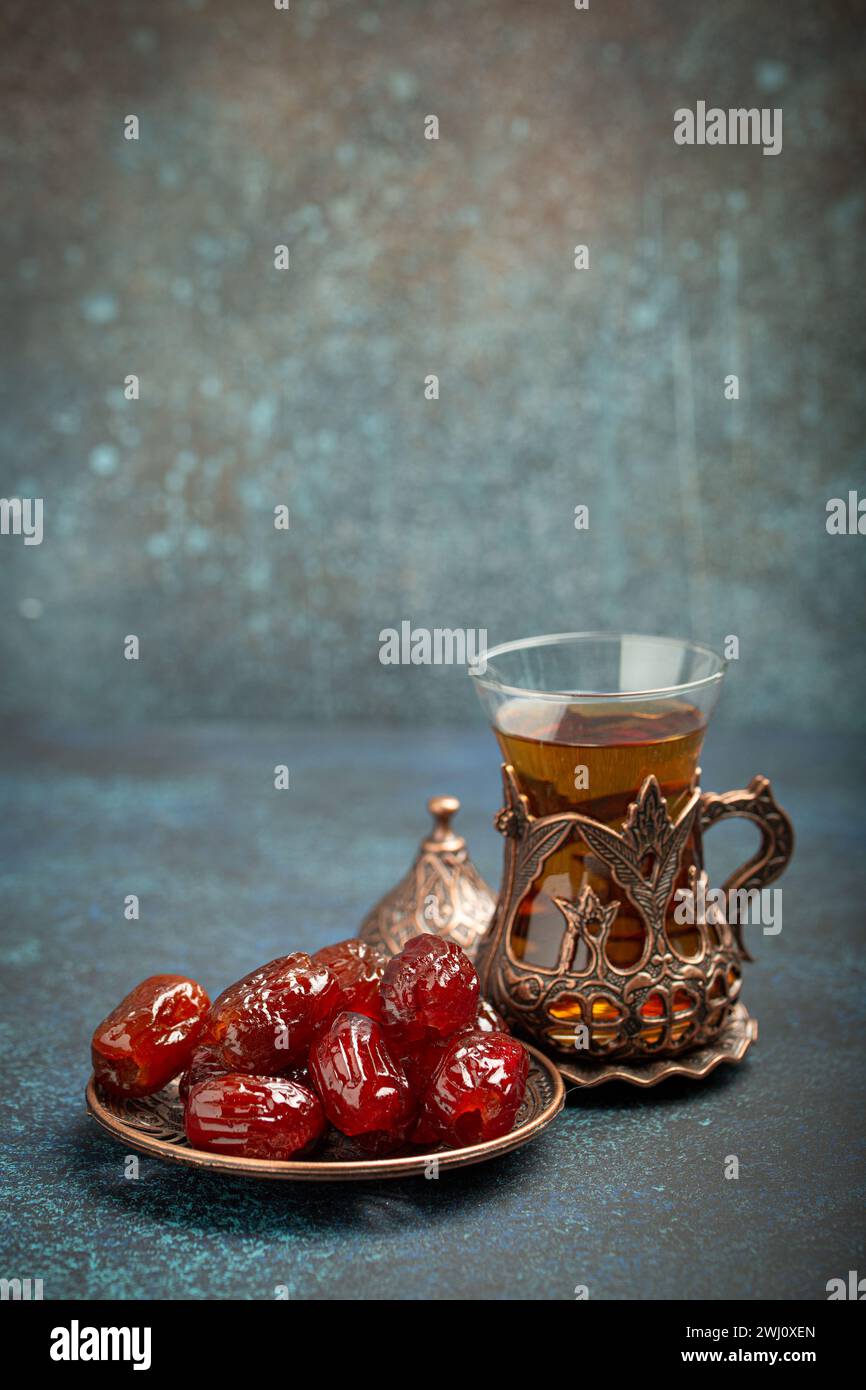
664	1004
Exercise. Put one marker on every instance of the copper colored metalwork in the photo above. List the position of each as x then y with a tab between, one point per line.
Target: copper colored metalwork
732	1044
693	997
154	1125
756	804
443	893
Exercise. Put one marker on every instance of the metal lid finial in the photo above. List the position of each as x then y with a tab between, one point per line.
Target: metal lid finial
442	894
442	808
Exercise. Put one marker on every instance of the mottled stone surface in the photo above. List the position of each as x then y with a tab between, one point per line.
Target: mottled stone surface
409	257
624	1193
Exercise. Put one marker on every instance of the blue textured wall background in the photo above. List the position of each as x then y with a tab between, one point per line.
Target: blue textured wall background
411	257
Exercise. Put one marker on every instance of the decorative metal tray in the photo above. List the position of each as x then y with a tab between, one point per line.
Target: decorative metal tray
154	1125
731	1045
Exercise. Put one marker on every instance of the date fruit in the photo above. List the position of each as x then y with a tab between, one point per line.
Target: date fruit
266	1023
205	1064
363	1089
489	1020
429	991
389	1051
476	1091
253	1117
358	970
150	1036
421	1062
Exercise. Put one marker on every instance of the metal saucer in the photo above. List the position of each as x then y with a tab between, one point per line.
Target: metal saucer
732	1044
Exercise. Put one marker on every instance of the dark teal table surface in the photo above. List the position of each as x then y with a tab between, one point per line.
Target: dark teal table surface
626	1193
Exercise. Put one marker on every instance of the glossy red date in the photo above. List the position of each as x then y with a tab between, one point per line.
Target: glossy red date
476	1091
150	1036
429	991
489	1020
363	1089
358	969
205	1064
266	1023
253	1117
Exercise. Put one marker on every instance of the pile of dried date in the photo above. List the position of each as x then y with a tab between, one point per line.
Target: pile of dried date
391	1052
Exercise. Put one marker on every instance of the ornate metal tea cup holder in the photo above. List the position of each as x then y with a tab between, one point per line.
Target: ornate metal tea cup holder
668	1014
